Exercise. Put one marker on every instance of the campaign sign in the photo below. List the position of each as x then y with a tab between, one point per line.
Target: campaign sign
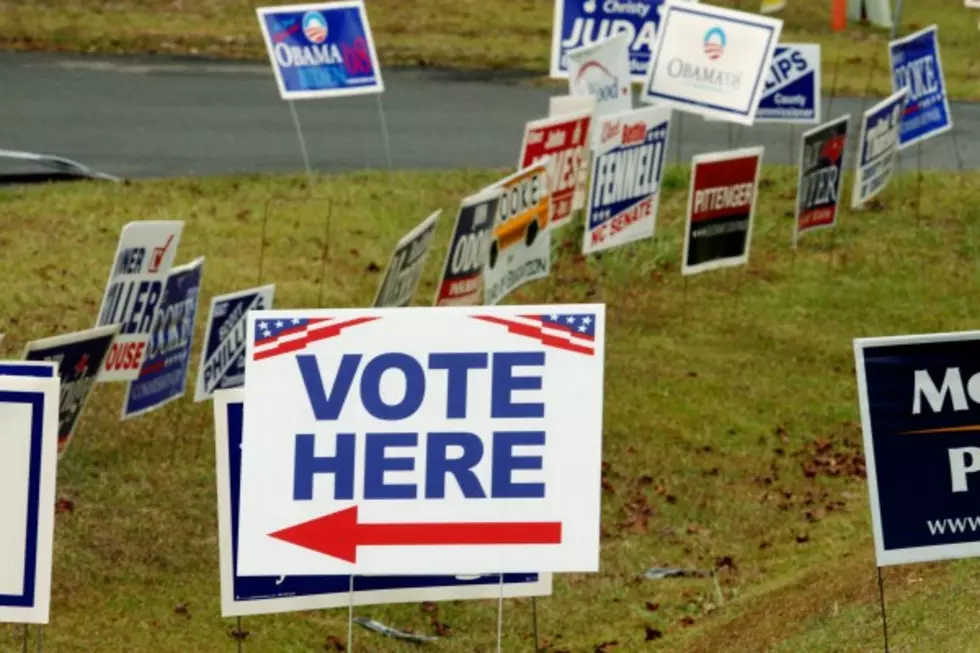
404	271
629	159
602	71
251	595
163	376
821	174
711	61
919	412
561	105
520	241
721	209
916	65
78	357
321	50
583	22
28	461
462	273
564	141
222	364
792	91
461	446
878	146
134	292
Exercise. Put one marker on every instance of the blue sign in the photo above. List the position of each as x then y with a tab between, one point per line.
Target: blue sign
916	66
321	50
223	355
78	357
920	408
584	22
327	591
792	91
168	356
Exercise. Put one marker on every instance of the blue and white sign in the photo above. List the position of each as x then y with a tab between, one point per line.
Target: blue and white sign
222	364
467	443
321	50
711	61
78	357
242	596
583	22
916	65
28	461
163	376
878	147
792	92
920	412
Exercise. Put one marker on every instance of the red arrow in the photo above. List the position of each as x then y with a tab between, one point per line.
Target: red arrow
339	534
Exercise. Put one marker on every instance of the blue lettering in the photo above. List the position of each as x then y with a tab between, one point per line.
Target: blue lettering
308	464
324	407
376	463
502	405
502	485
438	465
457	367
414	387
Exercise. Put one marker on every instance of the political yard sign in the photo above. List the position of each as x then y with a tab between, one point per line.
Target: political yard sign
168	357
919	400
721	209
564	141
78	357
471	442
222	365
821	174
462	273
321	50
28	461
404	271
877	148
626	172
711	61
916	66
251	595
601	70
791	94
134	292
520	240
583	22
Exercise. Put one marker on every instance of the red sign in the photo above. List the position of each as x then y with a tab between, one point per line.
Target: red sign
564	139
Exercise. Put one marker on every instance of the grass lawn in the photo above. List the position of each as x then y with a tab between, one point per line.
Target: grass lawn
473	34
731	439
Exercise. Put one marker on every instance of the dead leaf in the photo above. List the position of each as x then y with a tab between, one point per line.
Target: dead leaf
652	607
606	646
652	634
334	644
372	267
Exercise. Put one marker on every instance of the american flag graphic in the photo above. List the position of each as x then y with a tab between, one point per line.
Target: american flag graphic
569	331
283	335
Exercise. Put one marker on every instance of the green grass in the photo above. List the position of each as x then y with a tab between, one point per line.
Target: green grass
731	426
470	34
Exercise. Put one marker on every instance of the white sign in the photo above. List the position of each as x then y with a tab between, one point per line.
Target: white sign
520	240
468	442
404	271
877	148
134	293
711	61
242	595
602	71
28	461
630	149
879	12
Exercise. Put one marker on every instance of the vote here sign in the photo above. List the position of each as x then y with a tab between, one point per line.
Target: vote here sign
468	443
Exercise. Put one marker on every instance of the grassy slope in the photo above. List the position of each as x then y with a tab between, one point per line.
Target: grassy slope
454	33
731	434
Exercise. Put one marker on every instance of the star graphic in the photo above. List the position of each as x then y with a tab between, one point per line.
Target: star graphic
587	320
263	326
278	324
295	320
570	319
583	328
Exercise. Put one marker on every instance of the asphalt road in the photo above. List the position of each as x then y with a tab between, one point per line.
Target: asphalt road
158	117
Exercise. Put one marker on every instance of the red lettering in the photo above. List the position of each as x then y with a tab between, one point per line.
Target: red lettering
625	219
125	356
610	130
634	133
599	235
